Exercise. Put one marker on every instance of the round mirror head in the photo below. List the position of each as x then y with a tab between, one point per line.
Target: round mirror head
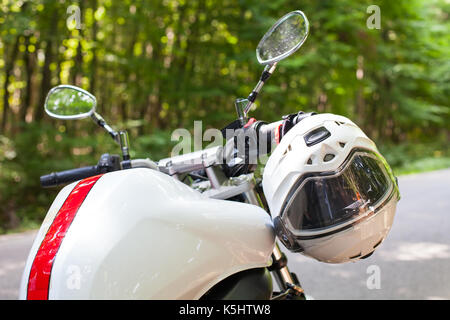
69	102
284	38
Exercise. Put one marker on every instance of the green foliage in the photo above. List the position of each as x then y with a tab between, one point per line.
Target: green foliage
155	66
417	157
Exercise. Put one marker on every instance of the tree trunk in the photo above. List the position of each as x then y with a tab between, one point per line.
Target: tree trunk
92	87
46	81
26	100
8	70
77	70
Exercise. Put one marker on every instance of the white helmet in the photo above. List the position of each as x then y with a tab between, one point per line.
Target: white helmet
330	192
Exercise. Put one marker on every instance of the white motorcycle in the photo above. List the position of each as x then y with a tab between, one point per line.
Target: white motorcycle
200	225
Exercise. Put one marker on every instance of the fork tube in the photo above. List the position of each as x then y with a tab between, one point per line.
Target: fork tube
281	275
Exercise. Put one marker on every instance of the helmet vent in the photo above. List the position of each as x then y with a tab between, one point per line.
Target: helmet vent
328	157
357	256
309	161
378	243
342	144
289	148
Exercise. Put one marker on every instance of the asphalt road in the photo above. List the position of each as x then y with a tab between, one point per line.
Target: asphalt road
412	263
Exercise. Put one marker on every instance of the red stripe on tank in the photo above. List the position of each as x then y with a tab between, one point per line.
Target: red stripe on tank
39	279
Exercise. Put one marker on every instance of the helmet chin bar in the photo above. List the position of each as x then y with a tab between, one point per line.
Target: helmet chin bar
242	111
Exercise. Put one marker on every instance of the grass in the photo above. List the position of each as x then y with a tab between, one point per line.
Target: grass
423	165
25	225
411	157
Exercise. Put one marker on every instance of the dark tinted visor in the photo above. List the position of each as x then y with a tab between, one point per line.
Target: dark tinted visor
327	200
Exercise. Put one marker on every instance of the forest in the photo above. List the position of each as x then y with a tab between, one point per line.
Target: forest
158	65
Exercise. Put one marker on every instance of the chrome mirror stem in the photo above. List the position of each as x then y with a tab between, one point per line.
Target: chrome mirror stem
121	137
98	119
268	70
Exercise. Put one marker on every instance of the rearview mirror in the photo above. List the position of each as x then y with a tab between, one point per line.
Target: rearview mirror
69	102
284	38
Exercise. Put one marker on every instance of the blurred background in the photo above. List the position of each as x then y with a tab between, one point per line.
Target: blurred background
158	65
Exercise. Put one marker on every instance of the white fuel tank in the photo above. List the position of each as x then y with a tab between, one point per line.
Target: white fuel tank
140	234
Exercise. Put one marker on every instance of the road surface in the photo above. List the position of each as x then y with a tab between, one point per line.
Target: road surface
412	263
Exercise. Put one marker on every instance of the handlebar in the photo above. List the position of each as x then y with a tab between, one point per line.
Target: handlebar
256	139
107	163
63	177
219	155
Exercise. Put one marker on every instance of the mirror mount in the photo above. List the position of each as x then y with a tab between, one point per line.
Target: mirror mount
125	147
98	119
240	106
268	70
120	137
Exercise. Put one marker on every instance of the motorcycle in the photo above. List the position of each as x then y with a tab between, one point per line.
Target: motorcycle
192	226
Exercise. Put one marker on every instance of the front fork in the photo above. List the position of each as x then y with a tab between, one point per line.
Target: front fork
279	268
287	282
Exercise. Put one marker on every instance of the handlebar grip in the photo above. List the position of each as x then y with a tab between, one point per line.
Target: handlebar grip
63	177
269	129
274	132
267	133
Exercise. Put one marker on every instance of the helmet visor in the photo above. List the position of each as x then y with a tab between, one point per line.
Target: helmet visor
326	200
